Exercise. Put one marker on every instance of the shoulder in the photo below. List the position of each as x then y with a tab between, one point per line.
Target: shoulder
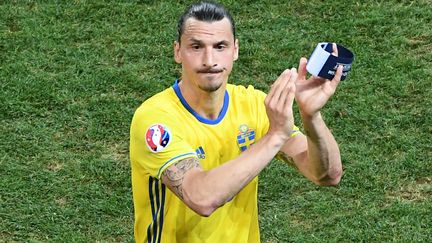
160	109
245	91
163	102
249	93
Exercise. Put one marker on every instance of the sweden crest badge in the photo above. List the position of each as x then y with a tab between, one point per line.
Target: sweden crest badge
245	137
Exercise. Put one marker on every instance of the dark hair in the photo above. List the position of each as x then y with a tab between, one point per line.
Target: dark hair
204	11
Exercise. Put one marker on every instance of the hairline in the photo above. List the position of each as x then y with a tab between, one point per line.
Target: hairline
189	13
206	21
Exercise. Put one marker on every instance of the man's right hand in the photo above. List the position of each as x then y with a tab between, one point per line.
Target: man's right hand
279	102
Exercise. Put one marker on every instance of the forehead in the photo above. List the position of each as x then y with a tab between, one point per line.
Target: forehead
196	29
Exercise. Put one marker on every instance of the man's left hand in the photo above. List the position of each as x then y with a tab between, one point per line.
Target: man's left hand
313	93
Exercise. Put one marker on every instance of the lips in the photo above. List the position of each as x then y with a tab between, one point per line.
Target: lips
210	72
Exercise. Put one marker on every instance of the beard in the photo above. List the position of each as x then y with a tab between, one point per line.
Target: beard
212	84
210	89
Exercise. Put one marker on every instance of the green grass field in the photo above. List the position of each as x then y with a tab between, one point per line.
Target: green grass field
73	72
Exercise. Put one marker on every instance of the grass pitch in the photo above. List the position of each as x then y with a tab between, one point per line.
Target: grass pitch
73	72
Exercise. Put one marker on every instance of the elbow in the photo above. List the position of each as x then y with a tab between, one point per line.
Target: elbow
203	207
204	211
332	178
328	182
201	199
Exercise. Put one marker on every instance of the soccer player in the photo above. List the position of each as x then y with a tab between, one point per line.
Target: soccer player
197	147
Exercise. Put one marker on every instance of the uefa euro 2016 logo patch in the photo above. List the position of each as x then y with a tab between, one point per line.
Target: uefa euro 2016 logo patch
245	137
157	137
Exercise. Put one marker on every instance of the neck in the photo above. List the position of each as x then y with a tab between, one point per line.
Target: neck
206	104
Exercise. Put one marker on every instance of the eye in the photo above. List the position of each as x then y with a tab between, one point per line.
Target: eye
195	47
220	47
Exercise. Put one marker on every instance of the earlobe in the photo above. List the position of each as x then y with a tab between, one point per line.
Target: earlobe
177	56
236	49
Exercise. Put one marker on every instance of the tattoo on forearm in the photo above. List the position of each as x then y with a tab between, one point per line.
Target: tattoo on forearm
286	158
174	174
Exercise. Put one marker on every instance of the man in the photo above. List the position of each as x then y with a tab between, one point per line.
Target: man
207	140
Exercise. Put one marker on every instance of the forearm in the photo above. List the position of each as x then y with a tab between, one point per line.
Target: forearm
324	163
211	189
205	191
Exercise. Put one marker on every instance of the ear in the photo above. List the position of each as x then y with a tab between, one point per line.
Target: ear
236	49
177	55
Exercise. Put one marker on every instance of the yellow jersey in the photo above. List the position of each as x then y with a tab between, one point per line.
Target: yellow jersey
164	130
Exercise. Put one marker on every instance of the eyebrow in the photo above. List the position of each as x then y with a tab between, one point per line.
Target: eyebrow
222	42
193	40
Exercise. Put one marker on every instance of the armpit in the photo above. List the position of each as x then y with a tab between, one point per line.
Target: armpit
173	176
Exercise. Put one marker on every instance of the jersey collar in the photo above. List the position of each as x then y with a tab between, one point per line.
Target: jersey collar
195	114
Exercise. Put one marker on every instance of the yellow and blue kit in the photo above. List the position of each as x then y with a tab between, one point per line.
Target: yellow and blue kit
164	130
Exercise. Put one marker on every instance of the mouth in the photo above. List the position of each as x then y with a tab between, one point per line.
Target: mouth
210	71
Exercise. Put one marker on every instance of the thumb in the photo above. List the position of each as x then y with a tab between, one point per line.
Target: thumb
335	50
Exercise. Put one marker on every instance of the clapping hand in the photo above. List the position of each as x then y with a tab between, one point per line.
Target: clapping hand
313	93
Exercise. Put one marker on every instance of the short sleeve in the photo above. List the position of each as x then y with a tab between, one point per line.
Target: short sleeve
156	141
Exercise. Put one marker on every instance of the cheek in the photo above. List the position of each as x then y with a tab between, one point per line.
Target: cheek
189	61
229	65
228	62
192	59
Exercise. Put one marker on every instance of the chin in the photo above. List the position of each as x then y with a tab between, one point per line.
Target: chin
212	83
210	88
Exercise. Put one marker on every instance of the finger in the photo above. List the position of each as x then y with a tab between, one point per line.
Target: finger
337	78
289	99
302	69
279	85
294	77
335	50
285	88
282	79
286	82
274	87
288	93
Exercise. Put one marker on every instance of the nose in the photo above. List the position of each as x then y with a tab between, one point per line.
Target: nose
208	59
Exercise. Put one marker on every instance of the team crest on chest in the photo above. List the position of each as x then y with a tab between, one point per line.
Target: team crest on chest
158	137
245	137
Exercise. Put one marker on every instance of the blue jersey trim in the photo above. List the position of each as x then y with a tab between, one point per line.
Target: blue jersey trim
196	115
172	160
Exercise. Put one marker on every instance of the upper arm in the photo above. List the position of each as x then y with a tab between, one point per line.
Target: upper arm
173	176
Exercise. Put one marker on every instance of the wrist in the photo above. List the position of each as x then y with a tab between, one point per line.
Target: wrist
314	125
307	117
275	140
